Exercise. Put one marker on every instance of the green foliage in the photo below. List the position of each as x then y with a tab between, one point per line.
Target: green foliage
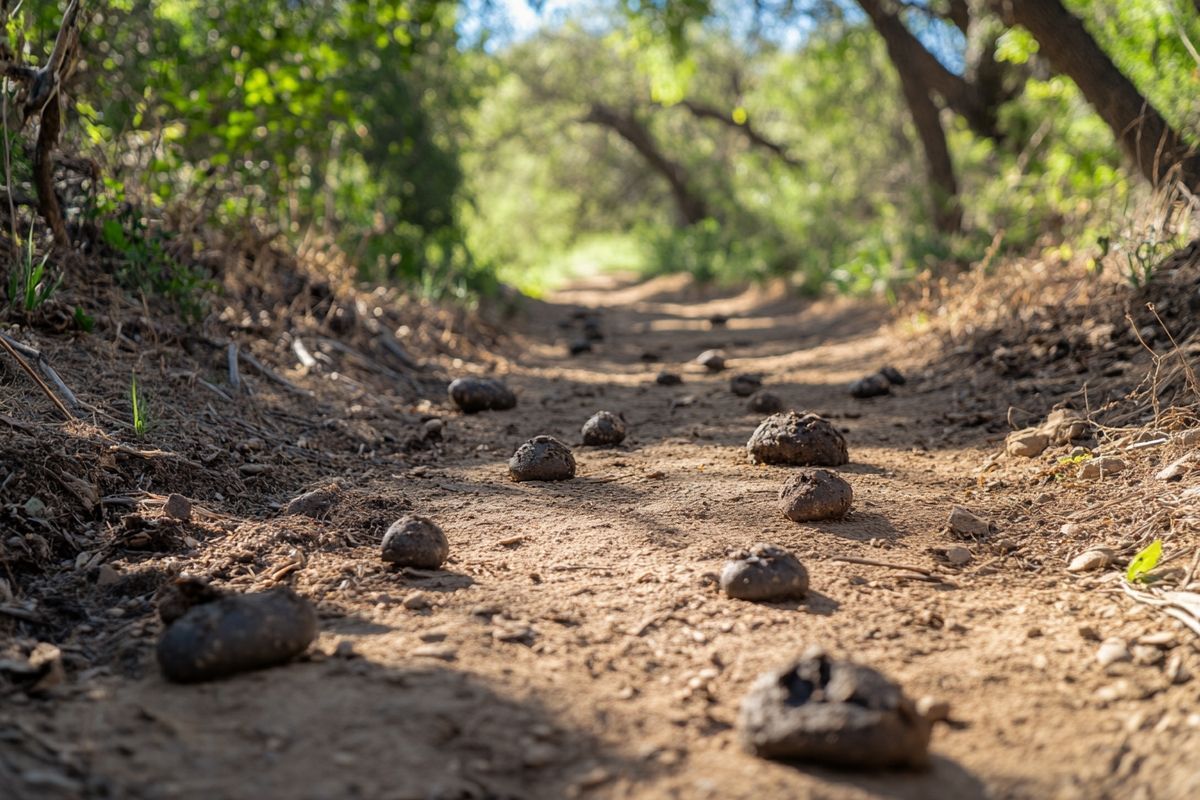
28	284
439	163
339	116
137	405
145	264
1144	561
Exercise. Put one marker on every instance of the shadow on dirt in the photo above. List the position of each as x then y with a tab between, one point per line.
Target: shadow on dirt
944	779
336	729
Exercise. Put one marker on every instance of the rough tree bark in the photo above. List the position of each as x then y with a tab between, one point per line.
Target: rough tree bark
960	95
43	100
692	207
926	117
1147	138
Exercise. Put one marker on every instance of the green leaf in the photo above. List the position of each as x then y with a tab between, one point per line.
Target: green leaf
1144	561
83	320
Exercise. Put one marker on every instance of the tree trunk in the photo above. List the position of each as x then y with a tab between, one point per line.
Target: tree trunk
43	170
1154	146
691	206
959	95
926	117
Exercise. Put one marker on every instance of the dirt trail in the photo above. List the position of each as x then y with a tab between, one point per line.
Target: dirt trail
575	645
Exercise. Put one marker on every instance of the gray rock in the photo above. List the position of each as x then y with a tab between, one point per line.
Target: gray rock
473	395
764	403
1026	443
665	378
764	573
815	494
315	503
871	386
799	440
178	507
967	524
236	633
833	712
958	556
542	458
1096	558
745	384
603	429
432	429
1065	425
711	360
1096	468
415	541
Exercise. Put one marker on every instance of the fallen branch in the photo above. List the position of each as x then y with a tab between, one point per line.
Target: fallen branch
1183	606
46	370
270	374
389	342
306	358
870	562
10	346
231	356
21	614
149	454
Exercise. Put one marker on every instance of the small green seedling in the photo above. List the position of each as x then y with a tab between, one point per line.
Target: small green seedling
137	402
28	287
1144	561
83	320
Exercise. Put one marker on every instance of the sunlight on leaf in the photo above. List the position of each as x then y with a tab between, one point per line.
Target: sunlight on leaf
1144	561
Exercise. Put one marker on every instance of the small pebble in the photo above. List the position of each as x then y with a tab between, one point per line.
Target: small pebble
439	651
745	384
178	507
665	378
1112	651
1026	443
432	429
968	524
871	386
933	709
958	556
315	503
764	403
417	601
711	360
1096	468
1089	560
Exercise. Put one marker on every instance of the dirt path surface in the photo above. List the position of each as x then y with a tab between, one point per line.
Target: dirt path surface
576	646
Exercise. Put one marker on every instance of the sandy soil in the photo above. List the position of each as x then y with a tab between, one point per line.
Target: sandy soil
576	645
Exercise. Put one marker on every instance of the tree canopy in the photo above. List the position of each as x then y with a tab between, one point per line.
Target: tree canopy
851	144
